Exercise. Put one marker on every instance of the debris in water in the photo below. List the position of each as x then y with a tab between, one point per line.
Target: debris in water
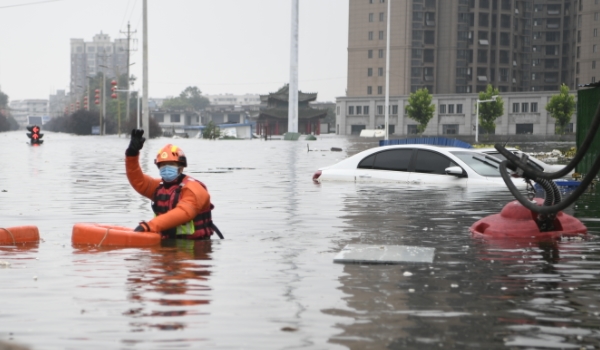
408	273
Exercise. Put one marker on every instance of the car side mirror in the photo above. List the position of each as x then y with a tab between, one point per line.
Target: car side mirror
455	170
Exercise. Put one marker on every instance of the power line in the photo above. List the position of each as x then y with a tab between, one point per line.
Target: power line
29	4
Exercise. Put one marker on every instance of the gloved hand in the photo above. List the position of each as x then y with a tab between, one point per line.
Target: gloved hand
142	227
136	143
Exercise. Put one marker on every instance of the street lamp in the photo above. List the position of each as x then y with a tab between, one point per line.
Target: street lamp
493	99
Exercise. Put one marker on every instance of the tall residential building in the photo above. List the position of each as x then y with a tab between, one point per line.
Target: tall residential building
101	55
460	46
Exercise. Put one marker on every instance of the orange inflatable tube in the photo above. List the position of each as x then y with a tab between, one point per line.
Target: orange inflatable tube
108	235
19	234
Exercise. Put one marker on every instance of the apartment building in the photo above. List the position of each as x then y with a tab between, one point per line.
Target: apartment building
460	46
101	55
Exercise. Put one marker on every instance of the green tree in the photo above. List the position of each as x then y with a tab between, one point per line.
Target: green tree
211	131
3	100
561	108
190	99
420	108
490	111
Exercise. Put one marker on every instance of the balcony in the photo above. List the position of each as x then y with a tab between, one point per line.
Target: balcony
552	25
482	78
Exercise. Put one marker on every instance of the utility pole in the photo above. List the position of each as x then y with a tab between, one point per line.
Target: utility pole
129	32
145	115
293	85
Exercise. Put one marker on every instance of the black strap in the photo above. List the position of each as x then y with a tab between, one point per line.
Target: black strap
217	230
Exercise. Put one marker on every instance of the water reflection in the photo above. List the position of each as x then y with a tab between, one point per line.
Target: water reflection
165	285
477	290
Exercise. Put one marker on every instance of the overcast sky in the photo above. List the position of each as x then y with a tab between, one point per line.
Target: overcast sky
221	46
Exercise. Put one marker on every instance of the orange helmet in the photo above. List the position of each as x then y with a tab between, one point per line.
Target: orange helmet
171	153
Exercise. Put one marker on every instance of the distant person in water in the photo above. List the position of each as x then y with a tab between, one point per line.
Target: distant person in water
181	203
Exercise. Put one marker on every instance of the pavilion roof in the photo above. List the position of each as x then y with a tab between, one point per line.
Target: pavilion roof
283	94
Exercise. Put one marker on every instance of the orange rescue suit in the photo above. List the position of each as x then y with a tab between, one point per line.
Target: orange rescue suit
193	200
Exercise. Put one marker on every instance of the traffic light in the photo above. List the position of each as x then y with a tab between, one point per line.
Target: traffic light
34	135
97	96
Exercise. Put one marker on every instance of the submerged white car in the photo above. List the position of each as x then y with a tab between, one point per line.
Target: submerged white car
418	164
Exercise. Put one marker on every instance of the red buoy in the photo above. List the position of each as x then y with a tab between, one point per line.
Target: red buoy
516	221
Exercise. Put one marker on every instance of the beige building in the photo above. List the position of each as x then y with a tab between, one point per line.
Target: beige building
588	42
460	46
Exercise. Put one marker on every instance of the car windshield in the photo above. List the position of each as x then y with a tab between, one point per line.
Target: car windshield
480	163
530	162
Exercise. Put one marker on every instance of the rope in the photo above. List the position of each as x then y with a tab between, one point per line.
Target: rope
103	238
10	233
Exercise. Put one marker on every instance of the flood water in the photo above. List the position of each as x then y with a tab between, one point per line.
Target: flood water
271	283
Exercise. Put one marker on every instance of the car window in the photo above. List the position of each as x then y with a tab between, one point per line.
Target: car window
394	159
482	164
529	161
432	162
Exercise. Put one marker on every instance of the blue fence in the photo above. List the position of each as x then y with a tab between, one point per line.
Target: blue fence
436	141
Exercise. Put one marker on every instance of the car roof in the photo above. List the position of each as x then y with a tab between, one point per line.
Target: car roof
424	146
491	149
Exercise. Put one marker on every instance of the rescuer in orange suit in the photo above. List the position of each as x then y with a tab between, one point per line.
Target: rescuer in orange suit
181	203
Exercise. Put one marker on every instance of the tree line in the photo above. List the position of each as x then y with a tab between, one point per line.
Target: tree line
7	123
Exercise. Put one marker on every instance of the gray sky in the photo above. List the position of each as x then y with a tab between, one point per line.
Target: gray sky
221	46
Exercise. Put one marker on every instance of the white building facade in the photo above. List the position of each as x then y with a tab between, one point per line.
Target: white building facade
231	99
20	110
455	114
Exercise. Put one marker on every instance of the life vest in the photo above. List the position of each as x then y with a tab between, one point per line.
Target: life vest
167	197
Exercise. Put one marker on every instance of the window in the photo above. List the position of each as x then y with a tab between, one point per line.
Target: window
442	109
379	110
417	53
370	54
380	90
595	32
356	129
432	163
369	72
395	109
350	110
429	56
369	90
370	17
175	118
395	160
380	71
366	110
429	37
524	128
371	35
593	64
380	54
381	35
450	129
459	108
381	16
534	107
524	107
359	110
160	118
450	109
515	108
411	129
594	48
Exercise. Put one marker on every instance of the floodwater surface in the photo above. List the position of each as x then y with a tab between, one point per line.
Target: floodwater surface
271	283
